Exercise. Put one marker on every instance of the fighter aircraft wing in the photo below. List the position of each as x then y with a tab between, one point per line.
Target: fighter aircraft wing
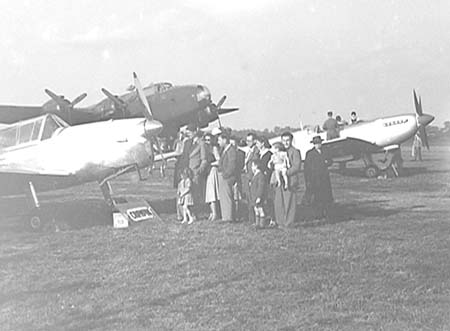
348	146
11	114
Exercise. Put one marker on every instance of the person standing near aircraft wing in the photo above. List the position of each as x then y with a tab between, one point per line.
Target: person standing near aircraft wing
416	150
331	127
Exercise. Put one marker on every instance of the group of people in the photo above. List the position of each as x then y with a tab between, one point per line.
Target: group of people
247	180
333	125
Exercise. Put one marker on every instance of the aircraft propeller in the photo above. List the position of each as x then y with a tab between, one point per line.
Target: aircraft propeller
65	105
149	116
422	119
119	104
217	109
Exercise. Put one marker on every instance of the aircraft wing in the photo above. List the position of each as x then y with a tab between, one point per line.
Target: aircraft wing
12	114
348	146
10	169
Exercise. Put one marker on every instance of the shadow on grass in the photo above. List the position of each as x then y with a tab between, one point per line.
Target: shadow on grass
406	172
73	214
344	212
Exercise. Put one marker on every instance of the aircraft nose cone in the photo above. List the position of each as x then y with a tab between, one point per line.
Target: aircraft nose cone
425	119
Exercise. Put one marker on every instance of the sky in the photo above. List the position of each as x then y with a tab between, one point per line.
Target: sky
279	61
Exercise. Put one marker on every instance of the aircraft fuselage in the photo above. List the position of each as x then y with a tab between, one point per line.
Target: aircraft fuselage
78	155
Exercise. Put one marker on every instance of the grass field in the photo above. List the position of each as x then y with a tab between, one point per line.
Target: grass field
382	263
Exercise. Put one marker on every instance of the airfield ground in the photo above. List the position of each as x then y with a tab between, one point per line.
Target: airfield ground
381	264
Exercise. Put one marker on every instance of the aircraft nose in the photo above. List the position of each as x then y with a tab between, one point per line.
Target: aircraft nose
425	119
203	93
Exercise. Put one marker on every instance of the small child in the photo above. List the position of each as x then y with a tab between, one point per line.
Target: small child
258	193
185	198
280	163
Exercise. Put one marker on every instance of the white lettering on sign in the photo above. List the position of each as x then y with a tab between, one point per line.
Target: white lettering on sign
395	122
139	214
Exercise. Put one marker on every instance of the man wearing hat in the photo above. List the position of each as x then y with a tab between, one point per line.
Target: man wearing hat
317	179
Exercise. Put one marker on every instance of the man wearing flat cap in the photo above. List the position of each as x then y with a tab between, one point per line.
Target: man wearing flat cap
317	179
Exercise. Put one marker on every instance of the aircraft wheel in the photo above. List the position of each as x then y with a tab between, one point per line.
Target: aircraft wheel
35	222
371	171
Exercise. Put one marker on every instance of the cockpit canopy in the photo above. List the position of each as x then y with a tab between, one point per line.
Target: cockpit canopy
159	87
32	130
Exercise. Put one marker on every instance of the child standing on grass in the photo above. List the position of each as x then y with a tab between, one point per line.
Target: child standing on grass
185	197
258	193
280	163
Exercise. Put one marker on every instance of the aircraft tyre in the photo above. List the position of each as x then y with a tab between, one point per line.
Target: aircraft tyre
36	221
371	171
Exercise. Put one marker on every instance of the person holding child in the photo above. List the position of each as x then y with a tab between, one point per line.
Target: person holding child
285	202
279	161
185	199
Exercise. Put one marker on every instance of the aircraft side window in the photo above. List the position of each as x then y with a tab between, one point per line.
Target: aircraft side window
25	132
50	127
8	137
36	130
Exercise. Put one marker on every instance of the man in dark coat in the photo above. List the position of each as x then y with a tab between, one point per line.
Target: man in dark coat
251	154
317	179
227	178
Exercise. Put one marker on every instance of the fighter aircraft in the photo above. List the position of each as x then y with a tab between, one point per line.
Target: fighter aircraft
173	106
45	153
363	140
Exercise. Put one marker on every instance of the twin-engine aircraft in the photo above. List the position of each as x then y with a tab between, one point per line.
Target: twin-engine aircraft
173	106
45	153
362	140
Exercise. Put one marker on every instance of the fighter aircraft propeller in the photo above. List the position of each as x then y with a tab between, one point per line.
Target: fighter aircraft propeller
422	119
65	106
